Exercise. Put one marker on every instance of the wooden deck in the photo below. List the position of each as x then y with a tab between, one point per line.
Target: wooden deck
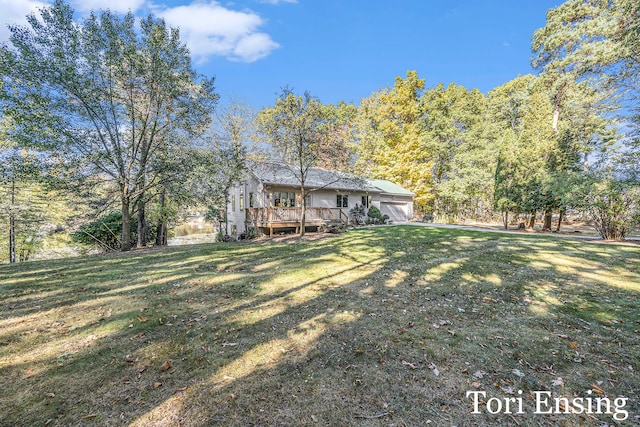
270	218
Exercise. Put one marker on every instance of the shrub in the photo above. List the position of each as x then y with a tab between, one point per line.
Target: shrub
251	233
333	227
374	213
357	214
385	219
107	231
104	232
222	237
614	207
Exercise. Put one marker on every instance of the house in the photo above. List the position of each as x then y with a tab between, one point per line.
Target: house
269	198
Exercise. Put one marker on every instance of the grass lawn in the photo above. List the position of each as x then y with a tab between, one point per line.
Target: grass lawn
385	326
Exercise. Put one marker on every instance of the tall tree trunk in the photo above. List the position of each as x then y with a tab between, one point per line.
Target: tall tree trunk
560	217
12	225
165	232
141	224
303	213
161	231
126	223
532	220
556	109
547	219
556	116
505	219
436	207
227	199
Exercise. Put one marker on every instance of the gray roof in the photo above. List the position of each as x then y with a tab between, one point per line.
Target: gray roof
281	174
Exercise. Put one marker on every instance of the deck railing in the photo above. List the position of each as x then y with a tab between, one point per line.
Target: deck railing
280	215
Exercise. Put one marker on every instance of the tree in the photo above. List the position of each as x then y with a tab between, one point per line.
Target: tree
104	93
219	160
578	38
432	141
22	204
595	39
462	161
31	202
298	130
614	206
390	125
338	144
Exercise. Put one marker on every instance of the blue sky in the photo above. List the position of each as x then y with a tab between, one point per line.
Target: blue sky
340	49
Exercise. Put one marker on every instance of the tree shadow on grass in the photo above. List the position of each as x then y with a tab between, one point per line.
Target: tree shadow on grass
379	326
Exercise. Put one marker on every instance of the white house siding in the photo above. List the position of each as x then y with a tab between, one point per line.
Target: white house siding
399	208
235	216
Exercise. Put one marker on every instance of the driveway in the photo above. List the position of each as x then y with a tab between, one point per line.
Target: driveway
524	233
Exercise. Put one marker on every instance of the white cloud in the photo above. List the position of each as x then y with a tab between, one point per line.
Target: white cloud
15	12
254	47
208	28
118	6
211	29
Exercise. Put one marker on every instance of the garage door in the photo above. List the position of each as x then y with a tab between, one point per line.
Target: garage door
396	211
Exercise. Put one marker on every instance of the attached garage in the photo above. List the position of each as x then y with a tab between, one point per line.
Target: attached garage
395	201
397	211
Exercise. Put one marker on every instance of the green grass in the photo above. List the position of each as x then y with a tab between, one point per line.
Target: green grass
349	330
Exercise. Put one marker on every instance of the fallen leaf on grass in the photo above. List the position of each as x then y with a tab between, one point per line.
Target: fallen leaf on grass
166	365
597	389
142	319
557	382
141	369
479	374
435	370
409	364
517	373
573	344
157	384
507	389
181	390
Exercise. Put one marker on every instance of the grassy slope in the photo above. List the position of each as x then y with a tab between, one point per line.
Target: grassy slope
346	330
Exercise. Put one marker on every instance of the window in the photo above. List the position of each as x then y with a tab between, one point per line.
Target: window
299	200
277	200
342	201
233	203
241	201
234	230
366	201
292	199
251	199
